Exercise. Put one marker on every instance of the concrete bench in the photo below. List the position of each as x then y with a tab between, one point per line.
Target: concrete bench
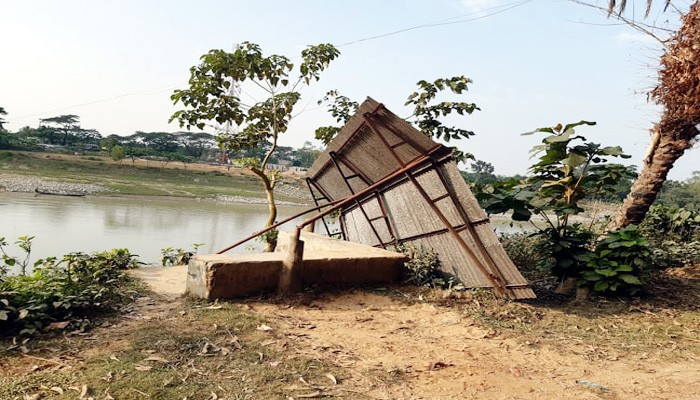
325	261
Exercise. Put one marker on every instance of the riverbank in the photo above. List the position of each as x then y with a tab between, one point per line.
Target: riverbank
398	342
94	175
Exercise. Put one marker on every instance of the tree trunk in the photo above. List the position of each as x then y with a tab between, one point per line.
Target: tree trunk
271	217
678	92
647	186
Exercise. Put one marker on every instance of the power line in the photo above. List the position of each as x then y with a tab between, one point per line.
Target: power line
442	22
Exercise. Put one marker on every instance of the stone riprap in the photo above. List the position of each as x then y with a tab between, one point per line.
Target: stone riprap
30	184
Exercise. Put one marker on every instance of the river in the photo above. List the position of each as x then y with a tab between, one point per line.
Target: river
144	225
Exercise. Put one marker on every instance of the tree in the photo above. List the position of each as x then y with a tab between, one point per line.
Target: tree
426	115
58	130
2	120
117	153
569	171
678	92
66	131
306	156
212	99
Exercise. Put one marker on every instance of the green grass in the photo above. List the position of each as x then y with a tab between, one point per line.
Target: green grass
128	179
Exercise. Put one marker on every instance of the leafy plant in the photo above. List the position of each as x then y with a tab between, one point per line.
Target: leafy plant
618	262
213	98
171	256
568	171
58	292
423	268
24	243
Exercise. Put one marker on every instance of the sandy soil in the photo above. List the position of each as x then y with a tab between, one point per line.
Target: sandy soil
437	352
434	351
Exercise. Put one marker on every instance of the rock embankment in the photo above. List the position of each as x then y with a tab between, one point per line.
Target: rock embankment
252	200
31	184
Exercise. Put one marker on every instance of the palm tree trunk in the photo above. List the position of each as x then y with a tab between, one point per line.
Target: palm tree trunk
645	189
679	94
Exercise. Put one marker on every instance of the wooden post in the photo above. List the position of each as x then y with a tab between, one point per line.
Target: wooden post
290	280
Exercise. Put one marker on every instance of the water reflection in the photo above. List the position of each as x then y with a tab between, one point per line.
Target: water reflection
143	225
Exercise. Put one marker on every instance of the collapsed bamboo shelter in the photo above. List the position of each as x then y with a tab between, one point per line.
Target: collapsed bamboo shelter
400	187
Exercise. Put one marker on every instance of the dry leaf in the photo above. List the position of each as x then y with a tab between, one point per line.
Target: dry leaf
213	396
439	365
264	328
310	395
32	396
57	389
84	391
139	367
57	325
156	358
332	378
113	357
213	308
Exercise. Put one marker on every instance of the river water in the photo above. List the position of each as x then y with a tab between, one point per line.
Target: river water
144	225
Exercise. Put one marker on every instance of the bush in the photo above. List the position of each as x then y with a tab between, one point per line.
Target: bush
618	262
79	285
423	269
526	251
674	234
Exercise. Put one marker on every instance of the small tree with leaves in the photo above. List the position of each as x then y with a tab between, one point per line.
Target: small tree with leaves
213	99
426	114
569	170
2	120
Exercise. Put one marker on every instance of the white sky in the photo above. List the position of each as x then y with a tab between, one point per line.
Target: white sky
116	63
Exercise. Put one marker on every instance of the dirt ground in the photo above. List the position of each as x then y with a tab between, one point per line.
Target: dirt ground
395	343
440	352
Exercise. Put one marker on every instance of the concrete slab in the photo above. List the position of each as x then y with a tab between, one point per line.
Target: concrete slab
226	276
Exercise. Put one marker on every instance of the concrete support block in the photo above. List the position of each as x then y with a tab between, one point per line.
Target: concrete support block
225	276
317	260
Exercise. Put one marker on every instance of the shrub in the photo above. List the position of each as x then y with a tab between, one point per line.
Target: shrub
526	251
79	285
618	262
423	269
171	256
674	234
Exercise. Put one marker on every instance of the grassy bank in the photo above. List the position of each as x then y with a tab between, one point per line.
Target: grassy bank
163	351
149	178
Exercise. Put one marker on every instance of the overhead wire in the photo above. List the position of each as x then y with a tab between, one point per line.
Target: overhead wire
491	11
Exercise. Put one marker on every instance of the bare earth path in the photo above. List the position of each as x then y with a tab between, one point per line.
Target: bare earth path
436	352
401	343
478	347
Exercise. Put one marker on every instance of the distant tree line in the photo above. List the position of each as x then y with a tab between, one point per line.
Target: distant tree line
64	133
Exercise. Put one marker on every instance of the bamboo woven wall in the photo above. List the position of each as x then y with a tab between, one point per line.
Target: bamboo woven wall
376	143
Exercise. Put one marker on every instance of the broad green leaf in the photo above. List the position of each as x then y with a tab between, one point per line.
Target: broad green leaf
574	160
601	286
631	279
